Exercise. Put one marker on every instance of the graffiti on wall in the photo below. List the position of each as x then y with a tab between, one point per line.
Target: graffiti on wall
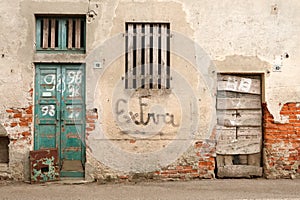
142	117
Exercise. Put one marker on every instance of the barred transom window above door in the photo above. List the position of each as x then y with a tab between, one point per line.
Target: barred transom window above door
60	33
147	62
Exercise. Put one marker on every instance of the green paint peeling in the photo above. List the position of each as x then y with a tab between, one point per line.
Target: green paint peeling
49	175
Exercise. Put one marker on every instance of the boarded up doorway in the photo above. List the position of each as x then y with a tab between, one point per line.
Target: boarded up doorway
239	129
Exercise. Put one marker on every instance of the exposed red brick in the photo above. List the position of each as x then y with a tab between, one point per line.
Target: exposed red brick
23	123
17	115
132	141
170	171
13	124
89	129
205	163
187	167
90	125
9	111
198	144
26	134
92	116
281	139
157	173
90	120
124	177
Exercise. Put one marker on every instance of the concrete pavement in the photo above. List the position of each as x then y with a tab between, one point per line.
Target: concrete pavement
198	189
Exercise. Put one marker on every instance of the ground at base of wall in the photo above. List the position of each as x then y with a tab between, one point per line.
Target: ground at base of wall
80	181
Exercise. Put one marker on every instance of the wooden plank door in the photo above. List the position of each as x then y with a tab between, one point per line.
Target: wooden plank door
60	114
239	128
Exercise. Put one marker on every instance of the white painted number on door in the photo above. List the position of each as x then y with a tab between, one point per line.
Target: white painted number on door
48	110
74	82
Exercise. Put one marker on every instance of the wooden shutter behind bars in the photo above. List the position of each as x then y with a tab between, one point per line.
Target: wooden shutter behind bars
147	56
58	33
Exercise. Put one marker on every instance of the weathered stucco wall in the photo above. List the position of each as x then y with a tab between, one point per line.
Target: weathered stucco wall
236	36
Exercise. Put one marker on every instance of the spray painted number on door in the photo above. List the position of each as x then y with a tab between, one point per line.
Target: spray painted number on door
60	111
48	110
73	85
74	81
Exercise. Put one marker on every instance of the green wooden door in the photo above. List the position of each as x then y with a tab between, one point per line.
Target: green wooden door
60	114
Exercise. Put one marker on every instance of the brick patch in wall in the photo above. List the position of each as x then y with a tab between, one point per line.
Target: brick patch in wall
91	120
18	123
282	143
197	163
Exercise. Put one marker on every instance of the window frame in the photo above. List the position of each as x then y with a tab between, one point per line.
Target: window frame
61	34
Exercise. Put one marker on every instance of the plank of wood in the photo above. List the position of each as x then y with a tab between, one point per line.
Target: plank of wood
228	160
239	117
226	117
77	33
72	165
52	40
226	94
38	33
254	159
129	73
224	160
230	94
163	54
238	103
238	171
147	55
247	96
225	133
235	147
70	33
155	56
138	67
45	32
168	80
225	76
243	159
249	132
239	84
220	161
249	117
63	39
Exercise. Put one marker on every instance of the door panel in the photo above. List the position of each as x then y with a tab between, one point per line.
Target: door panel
72	103
60	111
47	124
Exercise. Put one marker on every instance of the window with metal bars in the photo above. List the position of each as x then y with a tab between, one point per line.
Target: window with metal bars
147	59
55	33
